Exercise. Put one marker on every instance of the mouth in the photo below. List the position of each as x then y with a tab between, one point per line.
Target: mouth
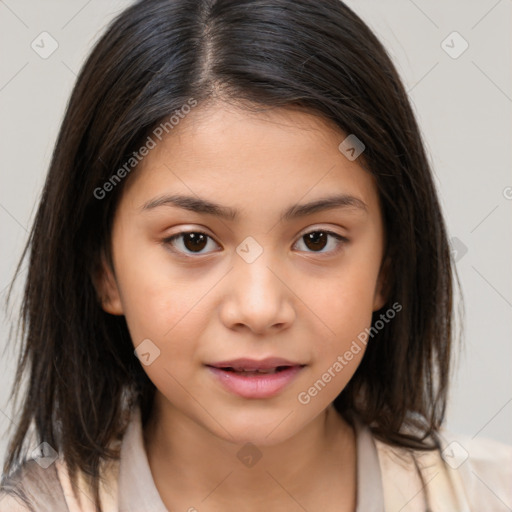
248	373
269	364
255	379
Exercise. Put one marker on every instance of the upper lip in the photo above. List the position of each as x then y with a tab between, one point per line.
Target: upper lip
245	363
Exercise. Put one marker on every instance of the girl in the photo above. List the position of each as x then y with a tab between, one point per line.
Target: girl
239	293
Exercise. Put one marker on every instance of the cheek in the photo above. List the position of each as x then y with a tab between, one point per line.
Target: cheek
346	308
344	299
344	303
165	318
159	303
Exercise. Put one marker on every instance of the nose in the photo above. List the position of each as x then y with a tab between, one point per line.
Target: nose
257	297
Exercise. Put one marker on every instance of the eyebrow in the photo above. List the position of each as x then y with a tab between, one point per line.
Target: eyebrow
204	206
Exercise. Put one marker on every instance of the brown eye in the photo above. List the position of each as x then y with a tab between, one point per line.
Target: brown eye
316	241
188	242
194	241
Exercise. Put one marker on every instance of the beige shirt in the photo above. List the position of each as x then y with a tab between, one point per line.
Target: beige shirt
477	477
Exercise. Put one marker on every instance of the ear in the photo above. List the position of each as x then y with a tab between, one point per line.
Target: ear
382	288
107	289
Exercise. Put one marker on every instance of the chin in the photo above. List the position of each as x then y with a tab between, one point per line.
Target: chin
258	428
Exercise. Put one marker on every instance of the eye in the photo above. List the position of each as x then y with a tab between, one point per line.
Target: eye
193	241
318	239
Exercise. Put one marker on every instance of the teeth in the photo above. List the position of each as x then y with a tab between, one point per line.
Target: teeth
252	372
244	371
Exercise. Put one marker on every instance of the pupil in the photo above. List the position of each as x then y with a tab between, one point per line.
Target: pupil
316	238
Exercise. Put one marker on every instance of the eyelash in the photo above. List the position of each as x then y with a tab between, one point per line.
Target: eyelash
169	242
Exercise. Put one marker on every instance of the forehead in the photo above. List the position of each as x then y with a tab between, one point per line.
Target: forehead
243	158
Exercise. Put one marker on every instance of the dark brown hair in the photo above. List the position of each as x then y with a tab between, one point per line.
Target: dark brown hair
314	55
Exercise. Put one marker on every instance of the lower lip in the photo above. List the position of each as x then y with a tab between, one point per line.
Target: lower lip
264	385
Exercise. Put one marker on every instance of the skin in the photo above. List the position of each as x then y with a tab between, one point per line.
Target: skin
302	302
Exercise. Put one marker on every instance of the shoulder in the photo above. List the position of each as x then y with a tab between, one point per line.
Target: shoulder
32	487
11	503
483	469
464	474
36	488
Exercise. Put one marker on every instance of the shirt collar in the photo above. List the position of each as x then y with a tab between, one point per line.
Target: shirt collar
137	490
370	494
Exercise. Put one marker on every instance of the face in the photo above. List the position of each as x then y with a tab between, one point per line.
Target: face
259	276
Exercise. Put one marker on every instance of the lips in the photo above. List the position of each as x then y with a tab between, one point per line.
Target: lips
250	378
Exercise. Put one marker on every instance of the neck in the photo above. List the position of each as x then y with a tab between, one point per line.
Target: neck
192	466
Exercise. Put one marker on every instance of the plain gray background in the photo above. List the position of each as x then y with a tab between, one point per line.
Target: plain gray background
463	104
